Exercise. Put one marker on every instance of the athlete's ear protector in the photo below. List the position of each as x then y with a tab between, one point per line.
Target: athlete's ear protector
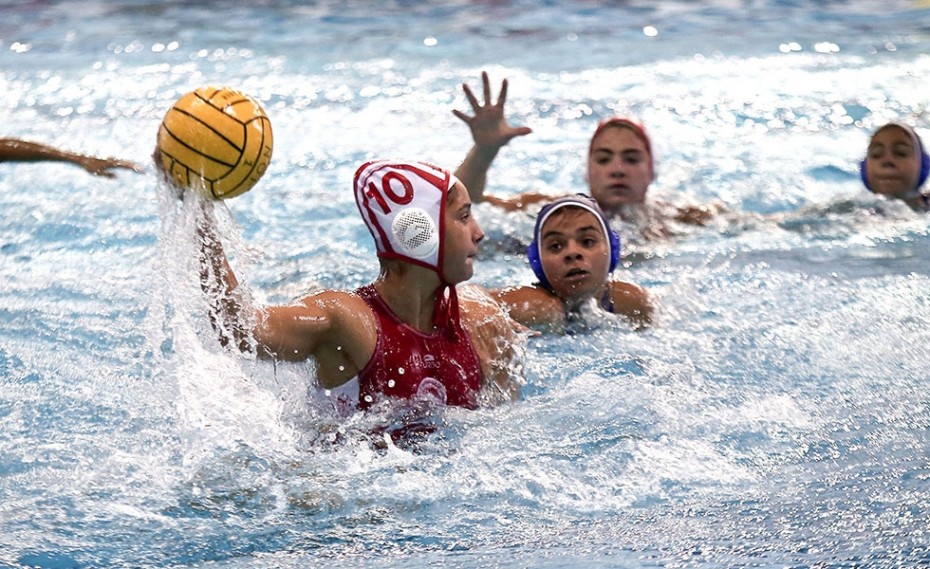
580	200
924	159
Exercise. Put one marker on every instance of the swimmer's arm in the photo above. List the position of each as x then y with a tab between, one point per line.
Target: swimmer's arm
295	332
16	150
698	214
219	283
519	201
473	172
531	307
497	339
631	301
289	333
217	279
490	131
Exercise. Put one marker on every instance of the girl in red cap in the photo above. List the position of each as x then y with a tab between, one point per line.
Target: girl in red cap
620	166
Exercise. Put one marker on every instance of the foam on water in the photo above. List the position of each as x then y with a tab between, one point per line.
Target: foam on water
775	415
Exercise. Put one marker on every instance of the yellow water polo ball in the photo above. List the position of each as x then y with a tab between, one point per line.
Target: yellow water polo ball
215	140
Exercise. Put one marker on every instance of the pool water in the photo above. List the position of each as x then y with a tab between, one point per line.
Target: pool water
776	414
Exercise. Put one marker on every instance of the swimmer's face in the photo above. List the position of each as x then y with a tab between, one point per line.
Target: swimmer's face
460	238
619	169
893	163
575	253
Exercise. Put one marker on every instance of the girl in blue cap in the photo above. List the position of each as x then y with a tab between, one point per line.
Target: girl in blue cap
896	165
573	252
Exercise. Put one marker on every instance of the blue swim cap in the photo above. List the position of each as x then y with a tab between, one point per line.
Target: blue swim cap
924	158
578	200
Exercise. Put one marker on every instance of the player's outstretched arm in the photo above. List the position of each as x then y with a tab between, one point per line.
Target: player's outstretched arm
490	131
16	150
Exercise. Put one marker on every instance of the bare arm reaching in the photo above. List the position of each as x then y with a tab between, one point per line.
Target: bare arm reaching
490	131
16	150
315	326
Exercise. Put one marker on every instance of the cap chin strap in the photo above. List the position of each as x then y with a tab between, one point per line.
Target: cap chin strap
443	317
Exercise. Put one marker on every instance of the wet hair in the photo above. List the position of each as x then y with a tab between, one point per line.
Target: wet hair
921	153
585	202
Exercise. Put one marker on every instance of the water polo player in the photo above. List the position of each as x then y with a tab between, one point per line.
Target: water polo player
408	335
620	167
573	252
896	165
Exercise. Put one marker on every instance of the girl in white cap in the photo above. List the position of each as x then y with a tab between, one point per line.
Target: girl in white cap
406	336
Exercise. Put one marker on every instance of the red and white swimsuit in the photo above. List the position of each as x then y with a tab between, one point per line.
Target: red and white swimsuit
407	364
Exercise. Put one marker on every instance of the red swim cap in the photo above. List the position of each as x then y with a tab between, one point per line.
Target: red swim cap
623	122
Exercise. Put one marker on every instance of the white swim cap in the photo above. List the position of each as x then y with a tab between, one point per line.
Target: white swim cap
403	204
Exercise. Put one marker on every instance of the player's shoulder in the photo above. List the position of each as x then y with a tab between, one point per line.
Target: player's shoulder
331	301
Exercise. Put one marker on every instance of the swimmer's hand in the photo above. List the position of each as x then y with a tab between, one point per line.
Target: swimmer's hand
104	166
489	127
161	172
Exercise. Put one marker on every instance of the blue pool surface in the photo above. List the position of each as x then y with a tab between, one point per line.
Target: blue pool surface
775	415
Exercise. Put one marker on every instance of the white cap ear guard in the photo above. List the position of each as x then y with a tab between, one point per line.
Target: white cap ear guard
414	233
